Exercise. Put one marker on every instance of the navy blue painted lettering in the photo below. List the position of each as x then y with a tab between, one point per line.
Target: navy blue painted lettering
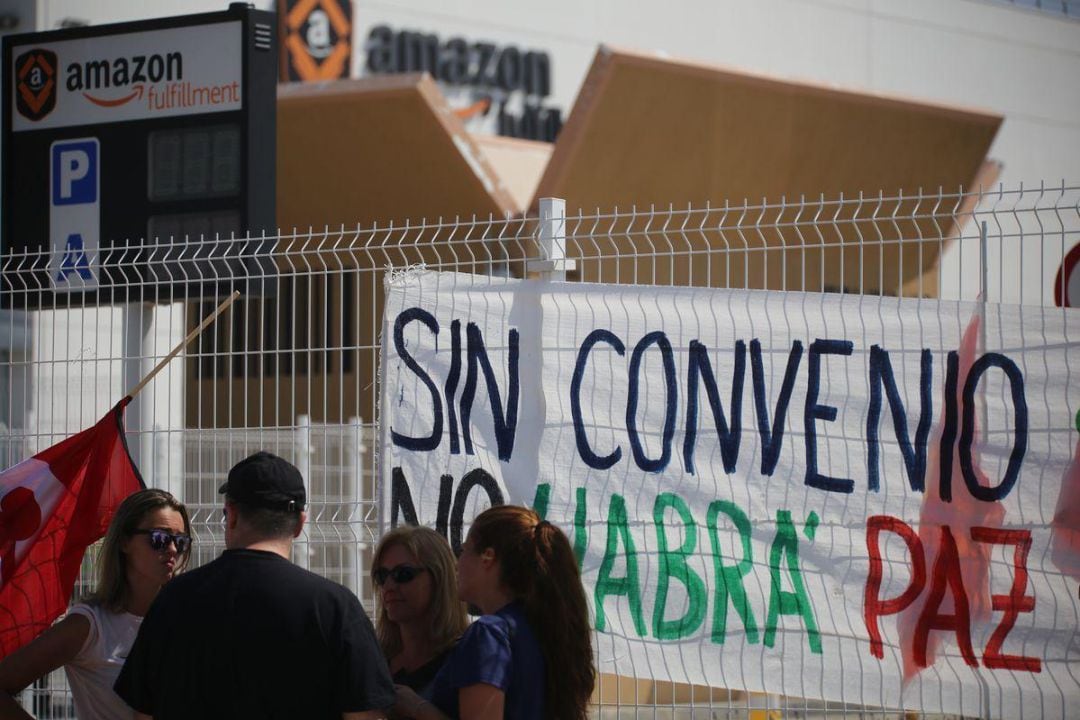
505	426
1020	427
474	478
401	502
452	379
584	450
446	493
881	376
431	441
701	368
827	413
672	402
948	430
772	441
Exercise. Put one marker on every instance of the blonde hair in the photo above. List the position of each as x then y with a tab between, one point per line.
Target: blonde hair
447	612
112	587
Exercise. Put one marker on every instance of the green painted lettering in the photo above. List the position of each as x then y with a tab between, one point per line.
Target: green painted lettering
540	501
729	583
673	565
782	602
581	540
619	528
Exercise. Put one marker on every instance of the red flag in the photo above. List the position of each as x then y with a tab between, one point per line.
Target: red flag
52	507
1065	546
963	513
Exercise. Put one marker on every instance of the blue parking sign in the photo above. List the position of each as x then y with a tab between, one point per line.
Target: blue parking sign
74	172
74	213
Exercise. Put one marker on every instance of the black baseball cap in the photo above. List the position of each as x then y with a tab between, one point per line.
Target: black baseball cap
265	480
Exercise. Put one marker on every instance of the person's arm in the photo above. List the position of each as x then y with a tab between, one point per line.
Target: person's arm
410	705
362	676
367	715
482	702
50	650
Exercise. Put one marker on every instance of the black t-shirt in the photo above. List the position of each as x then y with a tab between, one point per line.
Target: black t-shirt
250	635
420	678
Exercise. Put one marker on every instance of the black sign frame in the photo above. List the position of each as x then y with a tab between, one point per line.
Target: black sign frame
163	270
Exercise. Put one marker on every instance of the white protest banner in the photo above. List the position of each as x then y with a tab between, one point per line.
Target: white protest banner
860	499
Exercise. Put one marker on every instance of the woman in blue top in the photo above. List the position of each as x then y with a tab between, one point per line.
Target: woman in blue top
530	653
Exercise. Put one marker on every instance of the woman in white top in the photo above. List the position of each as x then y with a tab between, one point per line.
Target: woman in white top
148	541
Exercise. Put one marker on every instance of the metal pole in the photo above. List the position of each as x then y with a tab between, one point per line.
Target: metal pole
138	416
354	475
982	263
983	291
553	263
303	464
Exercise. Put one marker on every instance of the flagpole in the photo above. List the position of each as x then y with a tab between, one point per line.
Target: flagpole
183	343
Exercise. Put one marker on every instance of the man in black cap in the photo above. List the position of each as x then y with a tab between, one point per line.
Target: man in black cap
250	635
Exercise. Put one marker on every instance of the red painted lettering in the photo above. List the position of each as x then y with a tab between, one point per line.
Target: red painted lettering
873	606
946	572
1012	604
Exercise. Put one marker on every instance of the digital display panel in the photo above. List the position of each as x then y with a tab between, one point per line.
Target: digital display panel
193	163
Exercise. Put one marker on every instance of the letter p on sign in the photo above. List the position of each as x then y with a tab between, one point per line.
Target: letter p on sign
74	172
74	213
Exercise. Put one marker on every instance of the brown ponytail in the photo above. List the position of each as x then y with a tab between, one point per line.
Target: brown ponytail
538	566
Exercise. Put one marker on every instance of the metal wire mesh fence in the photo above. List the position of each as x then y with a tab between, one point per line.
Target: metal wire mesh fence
293	368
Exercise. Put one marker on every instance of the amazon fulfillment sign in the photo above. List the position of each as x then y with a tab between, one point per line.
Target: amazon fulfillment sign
504	87
155	133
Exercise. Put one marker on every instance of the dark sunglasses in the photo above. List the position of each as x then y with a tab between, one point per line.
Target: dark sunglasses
400	574
160	539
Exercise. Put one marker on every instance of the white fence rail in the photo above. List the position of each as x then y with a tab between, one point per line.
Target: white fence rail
293	367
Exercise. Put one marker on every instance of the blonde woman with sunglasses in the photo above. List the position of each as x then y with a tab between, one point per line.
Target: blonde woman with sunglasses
147	543
420	616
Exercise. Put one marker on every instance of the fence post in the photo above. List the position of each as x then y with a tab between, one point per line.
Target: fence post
302	555
982	262
160	474
135	364
354	457
354	475
32	442
984	410
553	262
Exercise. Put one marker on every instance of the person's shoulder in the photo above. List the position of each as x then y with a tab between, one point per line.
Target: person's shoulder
513	615
195	575
492	621
93	611
277	564
305	582
84	607
519	631
341	595
486	644
187	583
88	611
488	627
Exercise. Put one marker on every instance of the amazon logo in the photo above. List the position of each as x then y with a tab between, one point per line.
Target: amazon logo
35	83
477	109
129	75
